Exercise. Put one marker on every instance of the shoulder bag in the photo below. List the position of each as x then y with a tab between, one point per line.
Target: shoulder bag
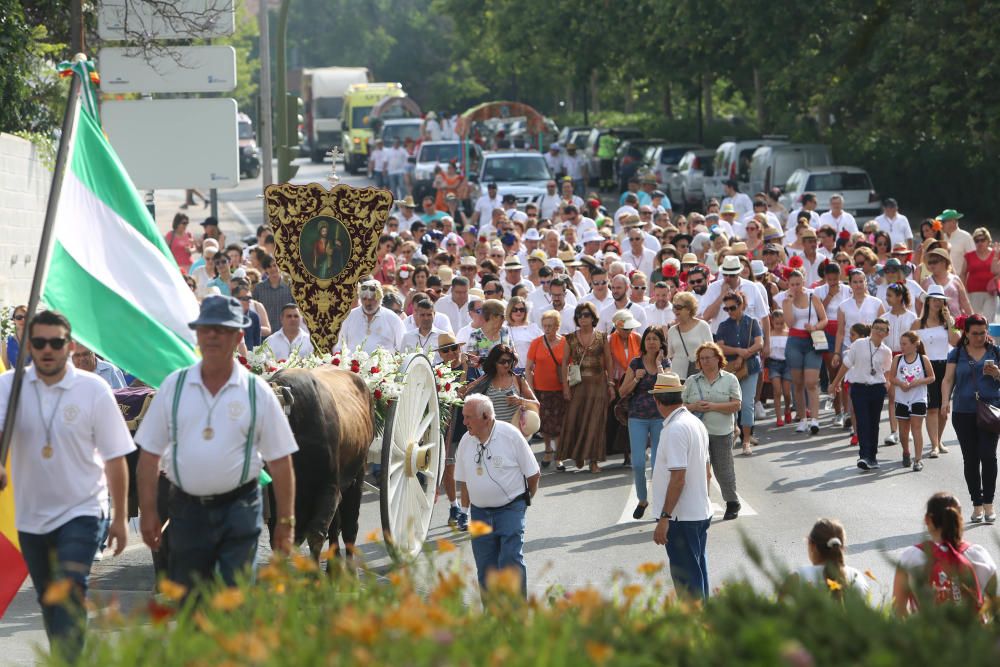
573	374
819	339
987	414
738	366
692	368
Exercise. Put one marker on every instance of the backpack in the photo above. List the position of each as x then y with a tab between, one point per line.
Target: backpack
951	576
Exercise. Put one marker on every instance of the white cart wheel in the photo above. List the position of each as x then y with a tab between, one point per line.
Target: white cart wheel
412	459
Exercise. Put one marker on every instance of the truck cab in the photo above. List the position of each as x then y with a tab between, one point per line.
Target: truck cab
356	121
323	90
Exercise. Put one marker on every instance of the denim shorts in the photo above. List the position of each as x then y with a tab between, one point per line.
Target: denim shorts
800	355
776	368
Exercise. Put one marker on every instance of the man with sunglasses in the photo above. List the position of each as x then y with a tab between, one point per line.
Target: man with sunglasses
370	325
68	451
599	295
697	281
84	359
210	428
475	310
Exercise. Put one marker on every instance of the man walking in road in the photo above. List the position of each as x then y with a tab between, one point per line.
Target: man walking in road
499	475
680	488
215	424
67	451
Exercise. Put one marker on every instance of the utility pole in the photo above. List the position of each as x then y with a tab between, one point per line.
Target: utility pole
76	31
265	119
286	171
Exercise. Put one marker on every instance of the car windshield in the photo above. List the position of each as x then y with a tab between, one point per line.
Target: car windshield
672	155
361	117
441	153
519	168
329	107
246	131
401	132
839	181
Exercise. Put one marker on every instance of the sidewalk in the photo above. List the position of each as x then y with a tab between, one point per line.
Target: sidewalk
232	223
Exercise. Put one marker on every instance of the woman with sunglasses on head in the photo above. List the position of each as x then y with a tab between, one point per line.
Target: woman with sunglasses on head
972	375
506	390
939	264
522	332
588	391
936	328
686	333
982	268
742	339
542	370
13	343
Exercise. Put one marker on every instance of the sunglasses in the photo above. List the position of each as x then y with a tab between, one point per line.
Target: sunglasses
518	310
491	291
730	309
600	283
371	292
18	318
448	349
244	299
39	343
506	361
477	311
695	283
641	288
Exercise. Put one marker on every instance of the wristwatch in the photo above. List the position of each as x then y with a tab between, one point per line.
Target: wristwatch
665	515
287	521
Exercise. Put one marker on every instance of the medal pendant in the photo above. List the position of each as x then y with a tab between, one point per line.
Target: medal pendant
208	433
47	451
479	470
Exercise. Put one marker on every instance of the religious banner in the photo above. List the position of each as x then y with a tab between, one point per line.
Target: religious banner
325	243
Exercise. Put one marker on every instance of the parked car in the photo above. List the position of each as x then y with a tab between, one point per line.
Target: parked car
521	173
400	128
854	183
630	158
432	154
772	165
665	158
685	182
249	153
578	138
732	162
567	132
590	150
520	137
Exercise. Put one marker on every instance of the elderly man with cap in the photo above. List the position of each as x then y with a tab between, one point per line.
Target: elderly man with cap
450	355
512	277
215	424
756	305
500	475
959	240
681	474
729	220
591	244
370	325
408	217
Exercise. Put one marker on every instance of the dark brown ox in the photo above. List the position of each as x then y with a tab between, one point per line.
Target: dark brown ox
331	415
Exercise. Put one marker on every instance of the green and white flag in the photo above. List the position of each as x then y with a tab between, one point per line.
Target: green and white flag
111	273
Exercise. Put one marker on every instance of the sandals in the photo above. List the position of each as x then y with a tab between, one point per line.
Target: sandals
594	468
547	458
747	451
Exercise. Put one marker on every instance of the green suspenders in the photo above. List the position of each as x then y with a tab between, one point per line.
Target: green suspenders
178	388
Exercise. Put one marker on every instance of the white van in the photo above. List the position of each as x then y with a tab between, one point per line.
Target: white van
732	161
772	165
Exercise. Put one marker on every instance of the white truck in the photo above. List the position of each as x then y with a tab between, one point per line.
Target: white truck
323	91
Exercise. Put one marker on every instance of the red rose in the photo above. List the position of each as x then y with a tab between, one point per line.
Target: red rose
795	262
374	370
282	361
242	359
440	374
272	368
447	387
336	361
377	394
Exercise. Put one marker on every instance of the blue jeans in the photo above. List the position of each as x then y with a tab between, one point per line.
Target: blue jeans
396	184
748	387
206	539
686	552
638	431
867	400
504	547
68	551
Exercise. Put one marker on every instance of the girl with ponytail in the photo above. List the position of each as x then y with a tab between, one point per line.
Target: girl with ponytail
827	546
945	569
911	374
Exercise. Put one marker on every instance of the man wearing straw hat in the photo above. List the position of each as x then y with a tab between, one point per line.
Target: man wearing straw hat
680	488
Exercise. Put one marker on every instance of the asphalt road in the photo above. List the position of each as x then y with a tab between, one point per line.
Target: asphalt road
580	530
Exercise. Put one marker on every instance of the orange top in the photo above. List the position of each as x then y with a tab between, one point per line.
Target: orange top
546	370
621	353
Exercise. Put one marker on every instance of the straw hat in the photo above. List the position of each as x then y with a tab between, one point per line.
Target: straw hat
667	383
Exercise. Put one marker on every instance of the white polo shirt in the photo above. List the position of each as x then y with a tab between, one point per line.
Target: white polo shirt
385	330
866	363
87	430
643	262
413	340
897	228
213	466
605	325
441	322
505	462
282	348
845	223
457	315
683	446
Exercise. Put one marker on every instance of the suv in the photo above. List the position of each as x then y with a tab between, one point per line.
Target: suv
664	160
521	173
685	181
433	154
860	198
400	128
590	150
732	162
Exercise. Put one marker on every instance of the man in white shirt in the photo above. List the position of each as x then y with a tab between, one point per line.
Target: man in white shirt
540	299
371	326
476	321
575	167
554	160
395	168
408	217
636	254
680	488
512	277
660	311
290	339
620	300
808	207
711	303
559	295
895	224
629	207
452	305
499	475
376	164
424	336
960	240
837	217
740	201
432	128
68	450
485	205
549	203
600	294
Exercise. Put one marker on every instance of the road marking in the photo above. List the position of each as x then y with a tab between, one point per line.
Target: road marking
714	490
238	214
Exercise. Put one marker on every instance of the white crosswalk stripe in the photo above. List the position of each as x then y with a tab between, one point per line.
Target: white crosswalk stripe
714	493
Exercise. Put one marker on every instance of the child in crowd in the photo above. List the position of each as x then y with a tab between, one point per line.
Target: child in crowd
780	377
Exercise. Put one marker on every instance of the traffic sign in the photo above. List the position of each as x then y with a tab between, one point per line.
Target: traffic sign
177	143
185	69
141	20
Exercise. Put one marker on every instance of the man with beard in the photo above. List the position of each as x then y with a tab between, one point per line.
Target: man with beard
558	290
660	311
697	281
620	299
371	326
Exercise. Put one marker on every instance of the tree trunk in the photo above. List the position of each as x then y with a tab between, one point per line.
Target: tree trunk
570	97
595	98
629	96
668	103
758	98
706	91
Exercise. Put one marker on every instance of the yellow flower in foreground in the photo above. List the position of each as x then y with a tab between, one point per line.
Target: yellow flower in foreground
373	536
172	590
631	591
833	585
57	592
204	624
227	599
507	580
304	563
598	651
445	546
246	645
479	528
870	575
650	569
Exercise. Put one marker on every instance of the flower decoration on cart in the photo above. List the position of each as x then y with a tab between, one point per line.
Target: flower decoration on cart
7	328
381	371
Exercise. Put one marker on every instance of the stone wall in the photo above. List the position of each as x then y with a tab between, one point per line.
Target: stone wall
24	190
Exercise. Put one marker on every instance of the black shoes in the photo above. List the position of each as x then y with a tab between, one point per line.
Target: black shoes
640	509
732	510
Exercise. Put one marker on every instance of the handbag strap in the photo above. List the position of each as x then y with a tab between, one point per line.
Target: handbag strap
549	348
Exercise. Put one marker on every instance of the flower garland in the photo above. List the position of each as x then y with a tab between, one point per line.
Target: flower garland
381	371
7	328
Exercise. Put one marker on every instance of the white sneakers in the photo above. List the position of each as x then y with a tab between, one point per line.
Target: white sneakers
803	426
838	420
893	439
758	411
814	426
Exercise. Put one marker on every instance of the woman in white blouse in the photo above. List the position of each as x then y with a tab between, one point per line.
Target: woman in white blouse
686	334
522	332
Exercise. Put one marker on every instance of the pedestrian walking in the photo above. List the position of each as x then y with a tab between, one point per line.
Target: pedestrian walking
936	328
911	374
741	340
623	347
212	455
865	366
680	489
508	391
644	420
452	358
900	319
777	370
972	376
826	545
945	568
68	449
543	372
684	337
714	396
500	476
982	268
587	389
805	315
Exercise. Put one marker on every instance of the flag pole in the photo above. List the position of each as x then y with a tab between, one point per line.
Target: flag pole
42	258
